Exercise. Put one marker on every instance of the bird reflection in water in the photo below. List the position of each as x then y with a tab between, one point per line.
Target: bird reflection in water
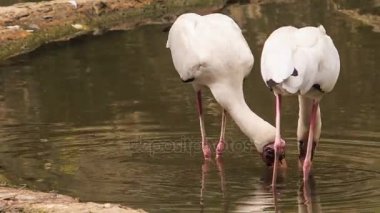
277	188
205	171
263	197
308	199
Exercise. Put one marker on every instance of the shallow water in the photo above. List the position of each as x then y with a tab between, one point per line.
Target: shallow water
107	119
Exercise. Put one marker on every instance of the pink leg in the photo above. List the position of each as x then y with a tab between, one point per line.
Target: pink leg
307	162
221	145
278	144
205	146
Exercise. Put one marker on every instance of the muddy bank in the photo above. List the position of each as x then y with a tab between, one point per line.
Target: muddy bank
26	26
22	200
369	16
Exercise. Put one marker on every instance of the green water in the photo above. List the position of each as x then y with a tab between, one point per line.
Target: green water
107	119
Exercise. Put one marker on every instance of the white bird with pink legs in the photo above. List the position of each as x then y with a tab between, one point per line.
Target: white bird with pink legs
301	62
211	52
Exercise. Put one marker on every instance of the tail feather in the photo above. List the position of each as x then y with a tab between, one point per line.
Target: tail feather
322	29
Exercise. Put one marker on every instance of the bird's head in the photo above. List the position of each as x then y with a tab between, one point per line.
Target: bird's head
268	154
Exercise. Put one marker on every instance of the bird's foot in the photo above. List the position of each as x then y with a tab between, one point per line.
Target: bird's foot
206	151
220	148
268	154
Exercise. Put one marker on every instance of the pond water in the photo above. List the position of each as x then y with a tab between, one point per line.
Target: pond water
10	2
107	119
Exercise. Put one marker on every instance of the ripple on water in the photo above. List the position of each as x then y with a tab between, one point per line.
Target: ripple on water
346	173
345	176
166	168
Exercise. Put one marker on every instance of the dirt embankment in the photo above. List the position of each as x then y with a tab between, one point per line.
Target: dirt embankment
22	200
26	26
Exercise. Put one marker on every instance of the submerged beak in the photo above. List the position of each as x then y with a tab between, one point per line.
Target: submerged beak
268	156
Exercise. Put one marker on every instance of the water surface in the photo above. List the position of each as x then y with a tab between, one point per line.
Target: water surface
107	119
11	2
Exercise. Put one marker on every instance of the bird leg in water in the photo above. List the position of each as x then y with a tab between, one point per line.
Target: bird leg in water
302	148
205	146
307	162
279	145
221	144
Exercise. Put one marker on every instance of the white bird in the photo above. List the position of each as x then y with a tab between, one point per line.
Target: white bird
210	51
302	62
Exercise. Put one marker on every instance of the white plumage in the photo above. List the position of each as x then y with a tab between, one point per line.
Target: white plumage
304	62
309	51
201	45
210	51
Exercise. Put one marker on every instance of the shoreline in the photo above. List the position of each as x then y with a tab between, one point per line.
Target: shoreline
26	26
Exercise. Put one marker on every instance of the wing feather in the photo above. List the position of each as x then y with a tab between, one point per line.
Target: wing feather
307	50
276	58
200	43
181	43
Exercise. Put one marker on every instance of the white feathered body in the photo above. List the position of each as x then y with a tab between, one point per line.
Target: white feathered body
209	49
300	61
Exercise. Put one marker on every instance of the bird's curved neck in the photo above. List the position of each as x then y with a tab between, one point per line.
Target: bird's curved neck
232	100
